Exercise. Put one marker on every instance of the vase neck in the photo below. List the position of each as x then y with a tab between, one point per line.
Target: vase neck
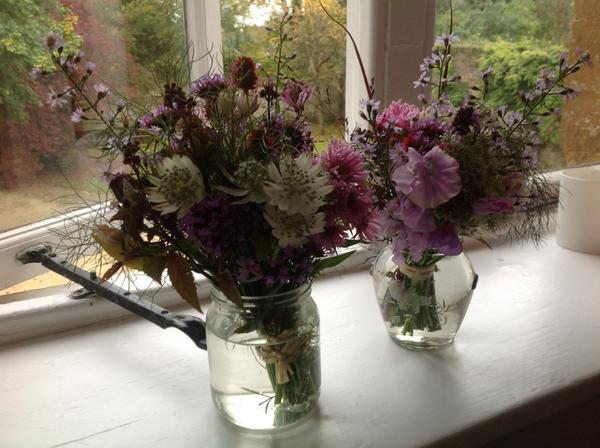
250	302
417	272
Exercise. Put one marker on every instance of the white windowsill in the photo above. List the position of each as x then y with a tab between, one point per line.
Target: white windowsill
52	310
527	349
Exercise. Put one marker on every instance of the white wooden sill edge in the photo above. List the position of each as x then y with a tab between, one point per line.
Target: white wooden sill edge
57	312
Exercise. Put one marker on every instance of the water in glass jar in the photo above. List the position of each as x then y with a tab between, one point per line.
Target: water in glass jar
242	383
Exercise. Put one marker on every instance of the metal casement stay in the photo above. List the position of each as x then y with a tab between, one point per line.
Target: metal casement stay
192	326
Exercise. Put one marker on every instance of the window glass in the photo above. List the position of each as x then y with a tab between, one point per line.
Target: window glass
48	163
44	157
317	45
517	38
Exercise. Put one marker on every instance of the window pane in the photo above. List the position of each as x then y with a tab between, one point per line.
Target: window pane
44	157
250	29
48	164
518	38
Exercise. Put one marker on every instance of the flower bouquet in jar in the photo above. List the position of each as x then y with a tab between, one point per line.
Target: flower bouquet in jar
222	179
442	170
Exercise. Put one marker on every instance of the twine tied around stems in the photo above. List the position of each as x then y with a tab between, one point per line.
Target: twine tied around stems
281	355
417	273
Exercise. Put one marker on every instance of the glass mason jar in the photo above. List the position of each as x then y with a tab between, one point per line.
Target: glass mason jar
264	358
423	307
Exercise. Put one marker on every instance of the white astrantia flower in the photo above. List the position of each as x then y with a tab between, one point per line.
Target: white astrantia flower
249	178
177	186
297	185
292	229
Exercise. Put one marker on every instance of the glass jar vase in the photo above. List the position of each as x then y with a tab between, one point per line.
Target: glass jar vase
423	307
264	358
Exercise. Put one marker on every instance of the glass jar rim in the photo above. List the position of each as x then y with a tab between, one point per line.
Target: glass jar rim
218	296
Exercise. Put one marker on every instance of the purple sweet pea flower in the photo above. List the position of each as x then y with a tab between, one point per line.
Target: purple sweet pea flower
445	241
492	206
413	216
428	180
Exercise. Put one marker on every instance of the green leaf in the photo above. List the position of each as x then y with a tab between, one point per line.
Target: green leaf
180	274
330	262
350	243
154	267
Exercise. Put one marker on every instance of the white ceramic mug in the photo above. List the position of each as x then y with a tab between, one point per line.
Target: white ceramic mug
578	224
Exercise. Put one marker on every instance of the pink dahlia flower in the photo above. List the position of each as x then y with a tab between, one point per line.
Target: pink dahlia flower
398	114
344	165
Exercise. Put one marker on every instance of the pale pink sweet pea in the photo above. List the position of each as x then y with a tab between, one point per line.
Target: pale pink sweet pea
428	180
296	94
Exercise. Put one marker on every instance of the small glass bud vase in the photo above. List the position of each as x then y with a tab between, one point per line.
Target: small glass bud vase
264	358
423	307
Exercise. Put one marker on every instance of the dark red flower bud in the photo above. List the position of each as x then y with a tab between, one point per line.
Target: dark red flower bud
243	73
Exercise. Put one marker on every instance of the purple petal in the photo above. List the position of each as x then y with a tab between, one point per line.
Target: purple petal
445	241
418	243
440	182
492	206
415	217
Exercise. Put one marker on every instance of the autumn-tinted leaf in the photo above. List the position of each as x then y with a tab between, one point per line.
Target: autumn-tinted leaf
154	267
180	274
229	288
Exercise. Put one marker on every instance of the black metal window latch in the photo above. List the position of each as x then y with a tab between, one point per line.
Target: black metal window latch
190	325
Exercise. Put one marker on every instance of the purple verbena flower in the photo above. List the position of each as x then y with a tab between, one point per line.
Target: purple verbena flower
208	86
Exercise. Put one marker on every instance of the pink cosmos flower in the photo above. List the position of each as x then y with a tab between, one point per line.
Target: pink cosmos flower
296	94
399	115
428	180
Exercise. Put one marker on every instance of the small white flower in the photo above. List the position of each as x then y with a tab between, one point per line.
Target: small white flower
54	41
36	73
178	185
249	179
292	230
297	185
55	99
101	89
77	115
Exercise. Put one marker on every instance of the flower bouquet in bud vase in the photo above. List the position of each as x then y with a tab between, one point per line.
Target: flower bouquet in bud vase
441	170
221	178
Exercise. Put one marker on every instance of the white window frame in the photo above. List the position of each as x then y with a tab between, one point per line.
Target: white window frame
51	310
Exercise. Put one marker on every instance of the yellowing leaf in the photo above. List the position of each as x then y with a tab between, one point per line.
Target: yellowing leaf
111	240
180	274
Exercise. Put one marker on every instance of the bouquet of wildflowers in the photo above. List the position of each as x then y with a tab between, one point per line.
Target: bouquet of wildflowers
223	179
443	170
